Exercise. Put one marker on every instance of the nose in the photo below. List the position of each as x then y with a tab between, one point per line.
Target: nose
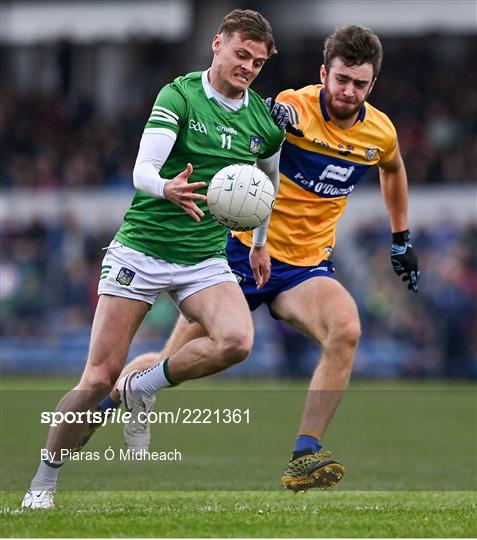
247	65
348	89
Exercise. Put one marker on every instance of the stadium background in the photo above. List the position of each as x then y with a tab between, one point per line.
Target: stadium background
81	78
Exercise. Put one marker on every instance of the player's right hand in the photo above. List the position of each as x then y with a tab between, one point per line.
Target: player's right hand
280	116
180	192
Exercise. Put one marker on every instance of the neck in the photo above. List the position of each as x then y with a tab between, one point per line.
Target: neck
221	87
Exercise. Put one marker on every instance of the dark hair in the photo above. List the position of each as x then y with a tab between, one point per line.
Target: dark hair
251	25
355	45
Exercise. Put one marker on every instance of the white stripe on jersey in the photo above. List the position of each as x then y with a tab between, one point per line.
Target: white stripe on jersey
162	117
162	131
159	108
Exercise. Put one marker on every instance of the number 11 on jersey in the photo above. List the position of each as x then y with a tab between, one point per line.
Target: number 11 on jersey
226	141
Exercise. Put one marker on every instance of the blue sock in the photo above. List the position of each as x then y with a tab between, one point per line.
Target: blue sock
306	444
108	403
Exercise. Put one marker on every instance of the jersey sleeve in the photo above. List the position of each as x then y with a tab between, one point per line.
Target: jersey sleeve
390	141
169	111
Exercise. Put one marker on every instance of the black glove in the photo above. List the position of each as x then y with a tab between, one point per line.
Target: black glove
280	116
404	259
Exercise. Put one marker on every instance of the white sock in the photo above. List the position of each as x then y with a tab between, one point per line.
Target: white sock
150	380
46	476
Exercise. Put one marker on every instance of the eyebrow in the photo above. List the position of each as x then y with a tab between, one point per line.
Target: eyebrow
255	58
359	81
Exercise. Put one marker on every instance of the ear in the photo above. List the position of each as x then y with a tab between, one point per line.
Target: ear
323	73
216	43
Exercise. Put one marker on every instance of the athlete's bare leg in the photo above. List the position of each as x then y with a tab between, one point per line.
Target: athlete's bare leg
221	337
224	314
182	333
322	309
115	323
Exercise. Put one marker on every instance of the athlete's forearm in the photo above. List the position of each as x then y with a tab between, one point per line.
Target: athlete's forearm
270	167
154	150
395	192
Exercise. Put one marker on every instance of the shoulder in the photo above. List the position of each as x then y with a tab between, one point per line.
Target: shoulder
259	111
303	96
380	121
382	130
181	89
172	102
260	115
188	82
301	104
257	103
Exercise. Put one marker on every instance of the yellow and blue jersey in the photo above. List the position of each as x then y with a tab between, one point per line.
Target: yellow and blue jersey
317	174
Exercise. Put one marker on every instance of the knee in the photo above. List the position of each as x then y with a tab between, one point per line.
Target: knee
351	333
99	380
234	348
345	333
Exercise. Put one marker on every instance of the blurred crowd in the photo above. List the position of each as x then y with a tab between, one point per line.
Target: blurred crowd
49	142
432	332
50	274
59	137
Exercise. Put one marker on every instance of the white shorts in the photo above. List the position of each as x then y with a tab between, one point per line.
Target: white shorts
132	274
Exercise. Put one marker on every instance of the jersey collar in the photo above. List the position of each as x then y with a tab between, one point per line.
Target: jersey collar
212	93
326	116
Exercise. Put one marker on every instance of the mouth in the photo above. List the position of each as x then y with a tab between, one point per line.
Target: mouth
345	103
241	78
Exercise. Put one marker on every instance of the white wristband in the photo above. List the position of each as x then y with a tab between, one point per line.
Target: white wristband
161	184
147	179
160	187
260	234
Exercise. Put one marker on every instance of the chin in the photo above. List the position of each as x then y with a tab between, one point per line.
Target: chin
343	113
239	85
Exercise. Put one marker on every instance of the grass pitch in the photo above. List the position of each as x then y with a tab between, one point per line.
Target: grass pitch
410	452
246	514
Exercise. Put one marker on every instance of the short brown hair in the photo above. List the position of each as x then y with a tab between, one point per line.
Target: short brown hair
355	45
251	25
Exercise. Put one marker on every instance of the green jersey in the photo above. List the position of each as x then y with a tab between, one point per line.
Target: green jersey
210	138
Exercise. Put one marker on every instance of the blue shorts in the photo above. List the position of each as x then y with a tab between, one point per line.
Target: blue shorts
284	276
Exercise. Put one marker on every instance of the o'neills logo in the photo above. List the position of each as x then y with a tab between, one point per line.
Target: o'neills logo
228	130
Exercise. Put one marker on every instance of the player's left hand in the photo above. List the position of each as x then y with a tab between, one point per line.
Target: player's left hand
180	192
404	259
261	266
280	116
